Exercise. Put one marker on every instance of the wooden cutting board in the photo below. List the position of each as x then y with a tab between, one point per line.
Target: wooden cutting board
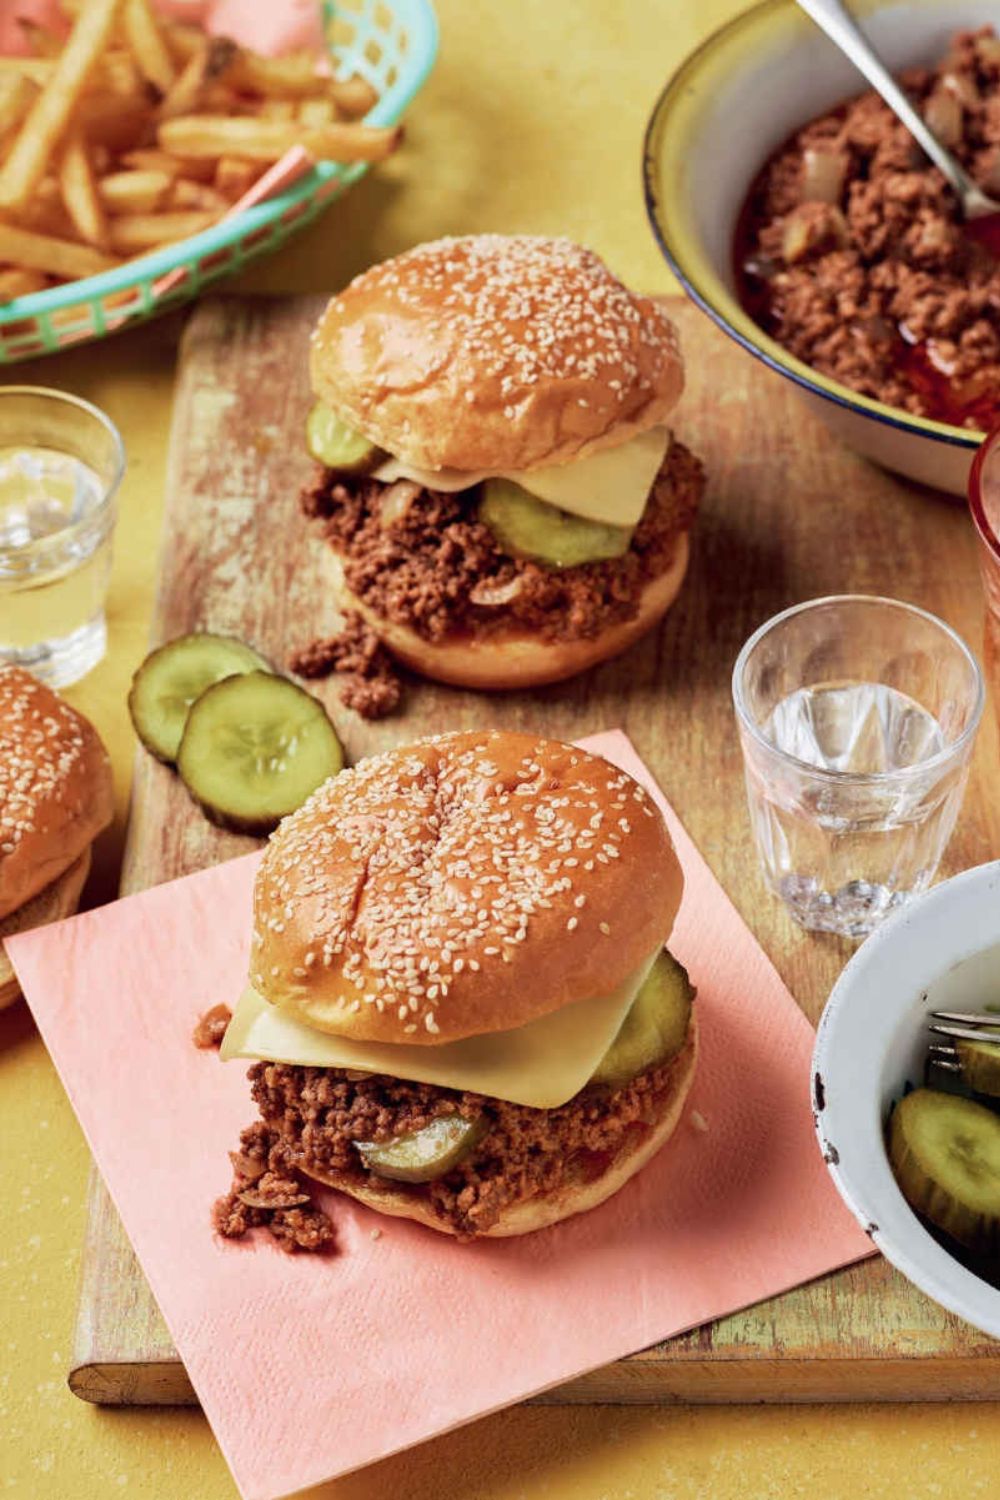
789	514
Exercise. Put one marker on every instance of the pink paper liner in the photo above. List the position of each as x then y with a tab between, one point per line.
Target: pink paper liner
308	1367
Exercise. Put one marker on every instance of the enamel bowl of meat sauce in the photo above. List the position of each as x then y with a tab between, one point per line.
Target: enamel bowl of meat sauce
801	216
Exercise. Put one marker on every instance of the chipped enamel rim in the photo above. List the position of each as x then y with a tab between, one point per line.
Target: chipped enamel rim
870	1043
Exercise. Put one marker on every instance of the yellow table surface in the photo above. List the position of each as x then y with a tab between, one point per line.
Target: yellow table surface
533	121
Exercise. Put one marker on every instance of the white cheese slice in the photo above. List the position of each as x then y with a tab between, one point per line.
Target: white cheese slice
611	487
542	1064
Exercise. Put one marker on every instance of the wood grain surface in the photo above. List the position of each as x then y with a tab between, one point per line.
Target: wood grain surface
790	514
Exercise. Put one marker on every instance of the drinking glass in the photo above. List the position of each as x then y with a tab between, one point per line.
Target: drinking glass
984	503
61	461
857	717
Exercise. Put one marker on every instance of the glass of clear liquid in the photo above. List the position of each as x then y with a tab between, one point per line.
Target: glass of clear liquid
857	717
61	461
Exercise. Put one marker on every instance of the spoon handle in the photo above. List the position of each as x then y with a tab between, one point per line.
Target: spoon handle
832	17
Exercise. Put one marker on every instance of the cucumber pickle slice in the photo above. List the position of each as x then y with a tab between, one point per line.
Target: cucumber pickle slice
526	527
980	1064
424	1154
654	1028
254	748
172	677
945	1153
332	443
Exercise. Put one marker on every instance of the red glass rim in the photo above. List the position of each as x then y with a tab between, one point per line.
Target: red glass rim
977	507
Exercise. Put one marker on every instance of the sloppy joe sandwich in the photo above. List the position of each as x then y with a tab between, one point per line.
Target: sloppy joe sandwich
502	497
55	798
460	998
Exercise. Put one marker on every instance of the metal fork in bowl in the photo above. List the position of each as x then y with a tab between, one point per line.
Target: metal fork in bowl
833	17
962	1026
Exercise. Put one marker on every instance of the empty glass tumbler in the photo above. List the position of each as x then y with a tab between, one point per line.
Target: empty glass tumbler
61	461
857	717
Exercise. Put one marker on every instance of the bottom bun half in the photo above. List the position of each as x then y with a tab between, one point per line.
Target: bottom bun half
498	662
56	901
551	1208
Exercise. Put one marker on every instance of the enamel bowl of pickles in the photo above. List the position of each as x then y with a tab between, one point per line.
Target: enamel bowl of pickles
888	1119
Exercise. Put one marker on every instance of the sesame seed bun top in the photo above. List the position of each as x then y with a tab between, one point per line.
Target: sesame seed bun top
495	352
55	787
462	885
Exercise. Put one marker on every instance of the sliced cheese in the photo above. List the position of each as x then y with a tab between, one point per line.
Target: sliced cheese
542	1064
611	487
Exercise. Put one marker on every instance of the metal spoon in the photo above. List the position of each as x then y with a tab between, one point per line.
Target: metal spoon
841	28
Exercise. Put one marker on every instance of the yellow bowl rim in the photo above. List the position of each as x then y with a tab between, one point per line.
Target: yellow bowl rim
759	344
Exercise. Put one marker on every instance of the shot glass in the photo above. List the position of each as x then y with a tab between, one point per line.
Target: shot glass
857	717
61	461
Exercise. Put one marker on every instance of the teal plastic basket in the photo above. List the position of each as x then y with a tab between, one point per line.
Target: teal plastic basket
392	43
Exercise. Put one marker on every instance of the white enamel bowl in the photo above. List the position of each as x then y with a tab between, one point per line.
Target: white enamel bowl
736	99
941	952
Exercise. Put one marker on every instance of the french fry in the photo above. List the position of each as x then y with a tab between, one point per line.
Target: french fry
147	45
15	281
17	94
183	39
275	109
79	192
50	112
119	73
139	192
202	70
233	176
315	113
154	160
353	96
57	257
187	194
38	69
268	140
137	232
292	76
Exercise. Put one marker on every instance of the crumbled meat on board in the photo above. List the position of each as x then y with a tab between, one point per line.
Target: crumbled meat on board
317	1114
371	686
437	569
859	263
211	1027
266	1193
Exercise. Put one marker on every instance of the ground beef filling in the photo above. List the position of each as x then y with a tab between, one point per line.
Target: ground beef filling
267	1193
435	568
370	682
317	1114
851	252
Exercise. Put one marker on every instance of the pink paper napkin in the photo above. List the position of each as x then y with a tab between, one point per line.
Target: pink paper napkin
308	1367
267	26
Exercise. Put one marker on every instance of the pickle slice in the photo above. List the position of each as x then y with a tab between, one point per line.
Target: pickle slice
526	527
655	1027
254	748
173	676
424	1154
332	443
980	1064
945	1153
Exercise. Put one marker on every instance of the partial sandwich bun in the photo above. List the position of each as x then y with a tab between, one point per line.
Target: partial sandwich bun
459	886
515	658
58	900
545	1209
496	353
55	787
